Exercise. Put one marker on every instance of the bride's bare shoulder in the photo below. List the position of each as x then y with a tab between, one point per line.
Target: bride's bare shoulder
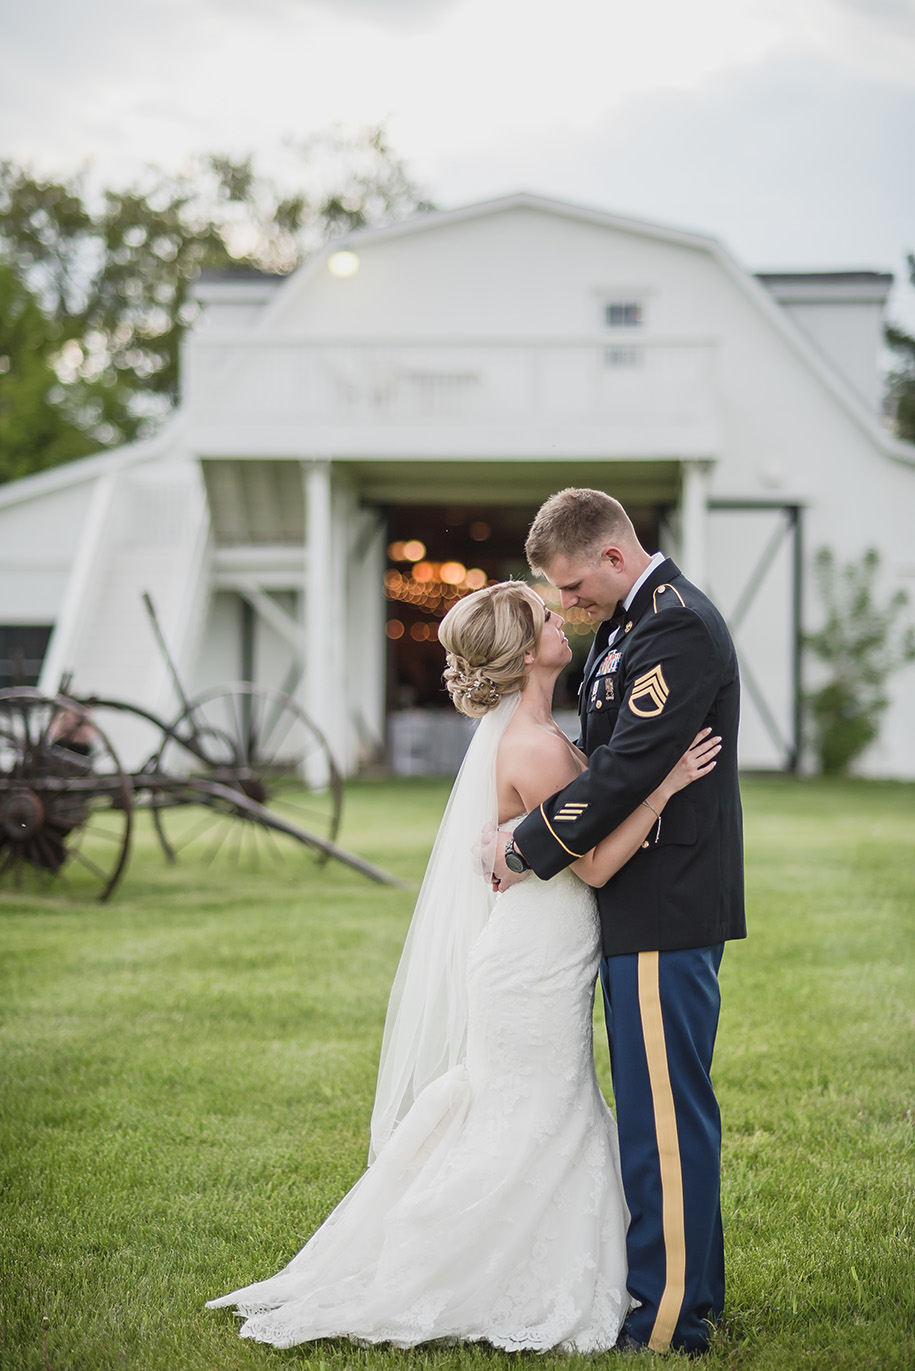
523	733
535	760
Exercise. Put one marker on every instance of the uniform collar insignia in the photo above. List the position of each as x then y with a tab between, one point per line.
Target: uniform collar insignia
665	571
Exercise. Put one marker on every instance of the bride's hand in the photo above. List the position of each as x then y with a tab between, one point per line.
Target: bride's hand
697	761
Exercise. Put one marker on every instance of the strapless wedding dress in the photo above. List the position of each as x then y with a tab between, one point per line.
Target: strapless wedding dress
495	1211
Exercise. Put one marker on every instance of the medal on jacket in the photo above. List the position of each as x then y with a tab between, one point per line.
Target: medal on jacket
609	692
610	662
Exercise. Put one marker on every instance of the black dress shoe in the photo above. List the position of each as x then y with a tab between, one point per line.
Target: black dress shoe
627	1343
630	1345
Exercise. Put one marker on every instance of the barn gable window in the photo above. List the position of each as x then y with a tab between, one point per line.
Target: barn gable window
623	314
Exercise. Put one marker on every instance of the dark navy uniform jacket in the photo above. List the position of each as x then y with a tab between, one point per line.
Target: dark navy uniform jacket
671	670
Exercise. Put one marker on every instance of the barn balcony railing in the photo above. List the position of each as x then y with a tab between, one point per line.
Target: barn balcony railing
244	379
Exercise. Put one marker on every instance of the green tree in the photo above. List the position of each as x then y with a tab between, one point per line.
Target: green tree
861	643
35	429
110	275
901	381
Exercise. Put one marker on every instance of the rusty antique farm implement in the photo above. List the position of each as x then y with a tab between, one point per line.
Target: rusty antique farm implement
241	770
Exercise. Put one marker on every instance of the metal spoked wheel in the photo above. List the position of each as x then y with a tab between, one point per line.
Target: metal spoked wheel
65	803
256	741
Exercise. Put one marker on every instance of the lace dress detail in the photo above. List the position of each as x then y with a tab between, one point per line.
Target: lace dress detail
495	1211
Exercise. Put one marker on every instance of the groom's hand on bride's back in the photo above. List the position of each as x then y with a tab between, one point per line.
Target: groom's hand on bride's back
489	858
501	877
484	850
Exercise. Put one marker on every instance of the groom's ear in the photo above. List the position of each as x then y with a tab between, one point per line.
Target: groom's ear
612	554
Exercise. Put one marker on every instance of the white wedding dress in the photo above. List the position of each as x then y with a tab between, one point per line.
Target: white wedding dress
494	1211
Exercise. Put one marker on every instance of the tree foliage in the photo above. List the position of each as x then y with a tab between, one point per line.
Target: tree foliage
861	643
95	286
901	381
35	430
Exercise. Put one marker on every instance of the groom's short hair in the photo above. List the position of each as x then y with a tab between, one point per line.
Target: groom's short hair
576	522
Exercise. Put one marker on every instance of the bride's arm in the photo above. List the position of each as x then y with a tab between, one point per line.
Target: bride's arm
536	772
597	866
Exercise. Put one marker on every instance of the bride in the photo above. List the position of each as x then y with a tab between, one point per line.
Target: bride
492	1207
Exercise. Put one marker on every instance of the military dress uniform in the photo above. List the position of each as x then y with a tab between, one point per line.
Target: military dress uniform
659	672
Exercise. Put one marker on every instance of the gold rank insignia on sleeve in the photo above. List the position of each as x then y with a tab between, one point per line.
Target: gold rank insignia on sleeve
649	694
570	812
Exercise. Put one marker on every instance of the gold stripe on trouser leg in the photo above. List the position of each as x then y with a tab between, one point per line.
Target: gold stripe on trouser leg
665	1122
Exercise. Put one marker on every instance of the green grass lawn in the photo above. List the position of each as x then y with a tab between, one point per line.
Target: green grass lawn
187	1077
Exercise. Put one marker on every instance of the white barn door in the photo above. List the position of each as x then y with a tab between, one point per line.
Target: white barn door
753	573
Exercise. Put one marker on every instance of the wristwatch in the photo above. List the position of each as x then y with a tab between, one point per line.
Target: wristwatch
514	860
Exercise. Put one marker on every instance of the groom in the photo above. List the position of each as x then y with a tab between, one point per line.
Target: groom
662	666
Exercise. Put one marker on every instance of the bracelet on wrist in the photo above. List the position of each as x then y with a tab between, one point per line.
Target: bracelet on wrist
657	832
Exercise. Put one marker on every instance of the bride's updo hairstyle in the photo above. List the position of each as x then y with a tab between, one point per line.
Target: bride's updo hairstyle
485	637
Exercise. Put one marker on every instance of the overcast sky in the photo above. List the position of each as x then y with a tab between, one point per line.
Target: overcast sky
785	128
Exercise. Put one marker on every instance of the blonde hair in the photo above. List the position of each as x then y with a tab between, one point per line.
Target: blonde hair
485	637
576	522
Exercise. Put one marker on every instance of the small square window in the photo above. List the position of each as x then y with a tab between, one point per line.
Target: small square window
623	314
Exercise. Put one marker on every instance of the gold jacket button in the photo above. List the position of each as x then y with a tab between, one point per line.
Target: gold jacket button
598	704
628	626
645	843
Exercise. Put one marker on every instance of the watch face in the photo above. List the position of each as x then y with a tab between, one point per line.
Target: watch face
513	859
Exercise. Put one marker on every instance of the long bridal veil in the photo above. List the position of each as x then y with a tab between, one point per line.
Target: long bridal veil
425	1032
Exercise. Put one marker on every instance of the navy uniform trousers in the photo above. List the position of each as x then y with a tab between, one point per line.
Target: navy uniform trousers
662	1015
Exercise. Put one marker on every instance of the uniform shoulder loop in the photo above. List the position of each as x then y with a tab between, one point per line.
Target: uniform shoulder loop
661	590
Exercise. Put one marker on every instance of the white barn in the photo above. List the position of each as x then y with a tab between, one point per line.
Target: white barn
430	383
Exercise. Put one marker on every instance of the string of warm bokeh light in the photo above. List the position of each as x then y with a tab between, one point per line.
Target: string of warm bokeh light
435	586
429	592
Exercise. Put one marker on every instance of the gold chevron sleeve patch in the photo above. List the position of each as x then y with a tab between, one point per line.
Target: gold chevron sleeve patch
649	694
556	835
570	812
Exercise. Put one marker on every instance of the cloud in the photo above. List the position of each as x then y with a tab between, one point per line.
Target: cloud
898	14
875	36
791	158
398	16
